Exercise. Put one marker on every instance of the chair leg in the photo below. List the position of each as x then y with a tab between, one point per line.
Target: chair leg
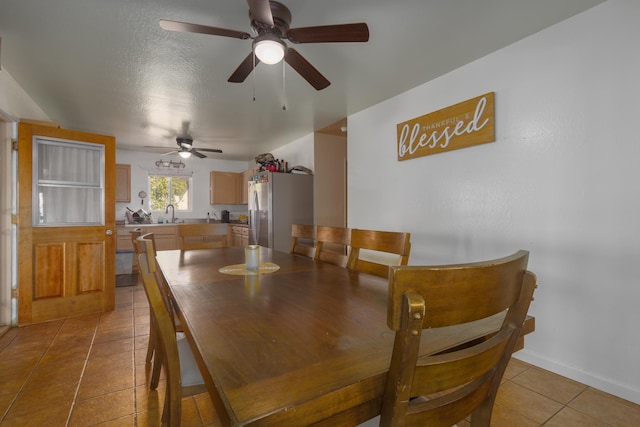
165	409
158	361
152	342
172	408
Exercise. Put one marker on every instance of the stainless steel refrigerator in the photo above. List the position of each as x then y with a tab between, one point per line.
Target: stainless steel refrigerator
276	201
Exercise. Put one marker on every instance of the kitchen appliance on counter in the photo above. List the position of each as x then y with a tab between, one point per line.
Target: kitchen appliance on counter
276	201
225	216
138	217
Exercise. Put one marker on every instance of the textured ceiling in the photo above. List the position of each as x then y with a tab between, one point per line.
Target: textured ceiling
106	66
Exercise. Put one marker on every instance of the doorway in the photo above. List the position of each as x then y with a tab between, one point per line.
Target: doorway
7	255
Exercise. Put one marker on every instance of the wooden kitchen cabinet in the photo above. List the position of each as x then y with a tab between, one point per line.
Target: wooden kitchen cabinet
230	188
123	183
244	185
239	235
166	236
123	239
224	188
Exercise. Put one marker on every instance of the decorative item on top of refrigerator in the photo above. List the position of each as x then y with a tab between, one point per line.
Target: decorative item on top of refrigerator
276	201
270	164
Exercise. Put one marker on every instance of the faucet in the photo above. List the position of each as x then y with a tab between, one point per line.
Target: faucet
173	216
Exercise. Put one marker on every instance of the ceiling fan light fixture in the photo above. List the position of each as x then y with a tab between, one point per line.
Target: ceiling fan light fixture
269	48
184	154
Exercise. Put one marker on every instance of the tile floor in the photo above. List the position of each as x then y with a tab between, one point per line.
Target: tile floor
90	370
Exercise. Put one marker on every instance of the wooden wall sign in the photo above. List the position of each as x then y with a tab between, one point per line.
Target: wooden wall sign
461	125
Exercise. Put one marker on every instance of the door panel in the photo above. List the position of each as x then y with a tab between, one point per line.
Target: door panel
64	270
89	273
48	267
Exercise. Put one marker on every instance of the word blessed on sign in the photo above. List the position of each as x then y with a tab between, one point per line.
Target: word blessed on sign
461	125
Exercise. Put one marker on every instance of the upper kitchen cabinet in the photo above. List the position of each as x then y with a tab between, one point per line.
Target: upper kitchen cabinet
244	185
224	188
123	183
230	188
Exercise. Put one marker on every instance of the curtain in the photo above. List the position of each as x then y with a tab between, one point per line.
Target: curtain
68	183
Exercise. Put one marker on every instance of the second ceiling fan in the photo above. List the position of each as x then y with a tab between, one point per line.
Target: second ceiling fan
186	148
270	22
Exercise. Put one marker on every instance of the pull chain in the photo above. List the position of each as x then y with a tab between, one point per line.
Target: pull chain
253	74
284	95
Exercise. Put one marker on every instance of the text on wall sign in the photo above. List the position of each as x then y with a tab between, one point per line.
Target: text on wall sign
461	125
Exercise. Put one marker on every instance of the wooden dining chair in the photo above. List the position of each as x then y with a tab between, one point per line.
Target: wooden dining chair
146	244
135	233
303	239
443	389
138	248
181	370
374	251
201	236
332	244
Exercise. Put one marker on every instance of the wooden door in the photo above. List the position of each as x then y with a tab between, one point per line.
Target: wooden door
65	269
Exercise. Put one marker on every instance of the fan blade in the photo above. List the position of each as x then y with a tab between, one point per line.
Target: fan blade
169	152
306	70
330	33
260	12
211	150
157	147
197	154
243	70
186	27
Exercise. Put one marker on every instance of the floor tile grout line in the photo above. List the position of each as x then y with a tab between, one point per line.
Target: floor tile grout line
35	366
564	405
133	357
84	367
577	410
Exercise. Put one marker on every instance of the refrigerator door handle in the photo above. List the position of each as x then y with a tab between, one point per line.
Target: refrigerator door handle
254	217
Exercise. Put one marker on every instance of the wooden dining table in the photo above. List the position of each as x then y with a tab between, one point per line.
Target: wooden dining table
305	343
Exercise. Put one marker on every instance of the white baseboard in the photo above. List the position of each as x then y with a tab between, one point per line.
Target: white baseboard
620	390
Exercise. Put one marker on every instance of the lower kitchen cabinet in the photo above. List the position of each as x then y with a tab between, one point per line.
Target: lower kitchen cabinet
165	236
239	235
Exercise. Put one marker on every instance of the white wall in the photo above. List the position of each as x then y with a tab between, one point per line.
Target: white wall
15	103
144	163
298	152
561	181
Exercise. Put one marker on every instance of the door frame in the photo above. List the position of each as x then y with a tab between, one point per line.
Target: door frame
8	315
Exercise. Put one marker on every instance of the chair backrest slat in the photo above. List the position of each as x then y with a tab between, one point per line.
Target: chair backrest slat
464	380
303	239
332	244
387	242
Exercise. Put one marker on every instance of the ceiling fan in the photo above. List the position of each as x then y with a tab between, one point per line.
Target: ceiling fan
186	148
270	22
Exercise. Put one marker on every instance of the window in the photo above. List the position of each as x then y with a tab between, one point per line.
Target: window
68	184
166	190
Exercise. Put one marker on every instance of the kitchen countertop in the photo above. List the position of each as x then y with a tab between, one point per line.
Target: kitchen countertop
187	221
